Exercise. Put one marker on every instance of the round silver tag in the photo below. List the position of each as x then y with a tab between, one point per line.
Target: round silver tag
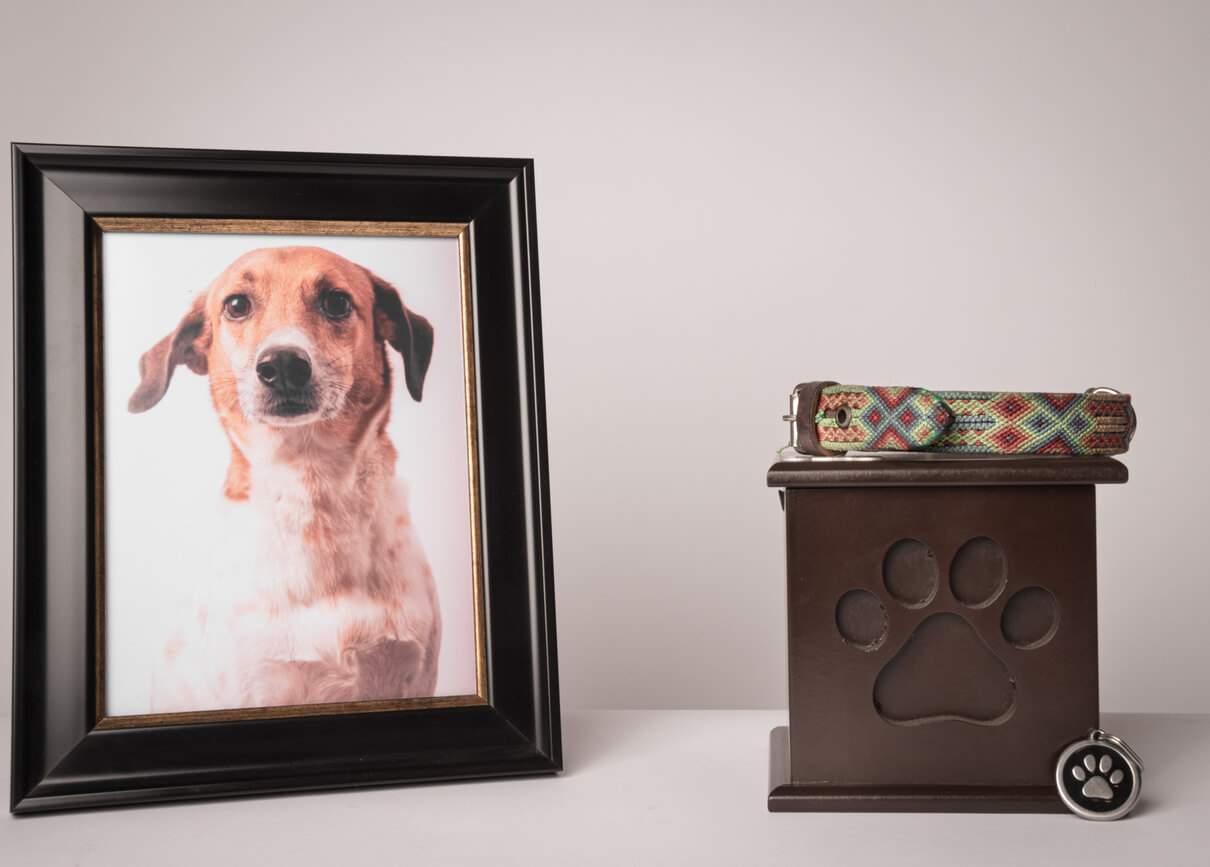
1099	777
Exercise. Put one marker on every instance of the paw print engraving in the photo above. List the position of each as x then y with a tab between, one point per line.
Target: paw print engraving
1096	786
951	665
1099	778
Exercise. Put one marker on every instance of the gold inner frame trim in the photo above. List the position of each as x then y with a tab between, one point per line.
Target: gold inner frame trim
460	231
198	226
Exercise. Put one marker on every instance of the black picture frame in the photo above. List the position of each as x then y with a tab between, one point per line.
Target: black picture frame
60	757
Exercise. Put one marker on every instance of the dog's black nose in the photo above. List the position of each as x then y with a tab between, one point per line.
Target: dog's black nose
284	369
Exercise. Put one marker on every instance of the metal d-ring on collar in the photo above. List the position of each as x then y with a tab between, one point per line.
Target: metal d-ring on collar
792	418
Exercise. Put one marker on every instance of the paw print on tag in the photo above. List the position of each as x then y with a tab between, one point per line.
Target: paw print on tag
952	664
1098	787
1097	778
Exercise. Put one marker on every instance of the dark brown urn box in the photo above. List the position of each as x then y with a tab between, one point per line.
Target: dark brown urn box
942	630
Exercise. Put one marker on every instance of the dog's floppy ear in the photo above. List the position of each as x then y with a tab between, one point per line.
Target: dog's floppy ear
408	332
186	345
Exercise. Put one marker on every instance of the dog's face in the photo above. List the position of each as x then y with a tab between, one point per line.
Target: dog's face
290	337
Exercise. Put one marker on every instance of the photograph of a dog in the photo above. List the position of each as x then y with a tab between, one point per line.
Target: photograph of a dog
296	531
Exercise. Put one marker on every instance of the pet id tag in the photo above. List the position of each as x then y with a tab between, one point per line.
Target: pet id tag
1099	777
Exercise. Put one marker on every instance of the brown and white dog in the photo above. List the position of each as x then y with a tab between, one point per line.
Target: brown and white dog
331	599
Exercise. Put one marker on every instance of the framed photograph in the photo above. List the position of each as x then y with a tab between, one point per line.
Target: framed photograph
281	485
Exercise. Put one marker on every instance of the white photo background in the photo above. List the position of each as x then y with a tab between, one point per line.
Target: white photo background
164	469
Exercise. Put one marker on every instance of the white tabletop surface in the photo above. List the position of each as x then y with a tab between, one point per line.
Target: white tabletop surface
641	787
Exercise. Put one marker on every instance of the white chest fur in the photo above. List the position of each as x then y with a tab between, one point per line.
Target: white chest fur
316	590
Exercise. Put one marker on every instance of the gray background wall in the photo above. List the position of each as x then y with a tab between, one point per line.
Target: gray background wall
731	199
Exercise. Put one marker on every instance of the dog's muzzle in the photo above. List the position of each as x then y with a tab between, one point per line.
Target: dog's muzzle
286	372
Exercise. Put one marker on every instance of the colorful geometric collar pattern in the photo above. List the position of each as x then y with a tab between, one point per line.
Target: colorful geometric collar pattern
864	418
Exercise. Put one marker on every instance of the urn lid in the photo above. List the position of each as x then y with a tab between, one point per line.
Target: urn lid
928	470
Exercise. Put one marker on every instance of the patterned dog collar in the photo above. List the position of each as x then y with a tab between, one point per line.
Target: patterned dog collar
830	419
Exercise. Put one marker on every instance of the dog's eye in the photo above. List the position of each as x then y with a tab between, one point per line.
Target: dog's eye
237	307
336	305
